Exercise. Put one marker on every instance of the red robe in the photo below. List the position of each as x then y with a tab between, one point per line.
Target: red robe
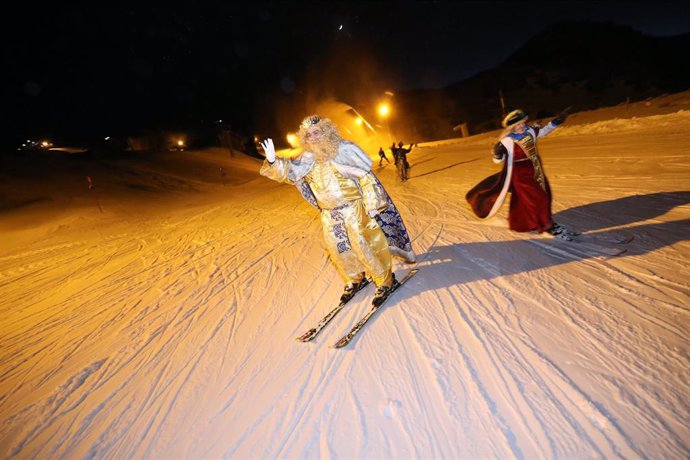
530	204
524	178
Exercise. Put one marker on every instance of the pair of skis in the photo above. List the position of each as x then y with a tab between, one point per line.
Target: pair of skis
347	338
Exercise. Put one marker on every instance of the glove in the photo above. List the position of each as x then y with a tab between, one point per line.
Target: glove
269	150
499	151
560	118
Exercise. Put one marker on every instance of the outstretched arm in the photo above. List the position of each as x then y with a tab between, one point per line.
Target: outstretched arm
560	118
555	122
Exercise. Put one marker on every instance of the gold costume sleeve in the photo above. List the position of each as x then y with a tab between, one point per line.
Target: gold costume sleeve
278	171
374	197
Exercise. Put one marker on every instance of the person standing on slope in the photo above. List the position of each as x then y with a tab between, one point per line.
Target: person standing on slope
403	164
383	156
362	228
522	175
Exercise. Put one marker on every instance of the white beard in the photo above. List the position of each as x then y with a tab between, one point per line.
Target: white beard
324	150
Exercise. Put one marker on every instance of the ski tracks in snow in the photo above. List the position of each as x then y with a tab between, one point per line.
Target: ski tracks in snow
173	336
131	306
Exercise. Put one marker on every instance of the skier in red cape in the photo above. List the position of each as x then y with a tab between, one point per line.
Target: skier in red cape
523	176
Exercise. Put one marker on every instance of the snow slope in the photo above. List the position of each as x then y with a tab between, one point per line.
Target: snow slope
155	316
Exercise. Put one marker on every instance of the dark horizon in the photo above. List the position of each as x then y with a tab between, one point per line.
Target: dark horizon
91	71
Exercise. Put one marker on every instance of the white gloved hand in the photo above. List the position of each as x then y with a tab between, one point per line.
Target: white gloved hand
269	150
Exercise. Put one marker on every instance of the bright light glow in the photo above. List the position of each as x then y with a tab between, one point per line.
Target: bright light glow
390	93
384	110
180	143
107	138
292	140
358	121
341	27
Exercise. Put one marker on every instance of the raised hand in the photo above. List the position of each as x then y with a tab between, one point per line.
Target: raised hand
560	118
269	149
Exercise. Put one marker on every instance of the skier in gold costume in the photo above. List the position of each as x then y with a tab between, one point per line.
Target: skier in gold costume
361	226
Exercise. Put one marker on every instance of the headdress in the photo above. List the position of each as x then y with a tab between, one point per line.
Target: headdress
310	121
513	117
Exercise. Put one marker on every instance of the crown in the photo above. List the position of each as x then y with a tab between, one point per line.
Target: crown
311	120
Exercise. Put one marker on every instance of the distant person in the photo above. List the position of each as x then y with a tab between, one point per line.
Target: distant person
383	156
362	228
402	152
523	176
394	151
403	165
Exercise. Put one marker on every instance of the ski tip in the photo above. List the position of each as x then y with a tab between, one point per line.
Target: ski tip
609	252
304	339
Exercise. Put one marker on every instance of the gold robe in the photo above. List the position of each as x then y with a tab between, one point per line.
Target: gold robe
354	240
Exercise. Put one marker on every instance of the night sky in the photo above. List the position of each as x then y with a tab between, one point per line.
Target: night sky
78	72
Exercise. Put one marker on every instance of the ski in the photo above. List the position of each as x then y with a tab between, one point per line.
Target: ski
590	247
311	333
581	246
613	239
358	327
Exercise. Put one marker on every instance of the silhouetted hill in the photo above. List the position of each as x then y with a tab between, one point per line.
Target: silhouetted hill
584	64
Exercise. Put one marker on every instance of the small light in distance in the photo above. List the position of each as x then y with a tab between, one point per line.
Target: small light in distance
292	140
384	110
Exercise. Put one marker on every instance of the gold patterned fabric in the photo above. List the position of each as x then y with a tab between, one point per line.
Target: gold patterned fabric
530	148
373	194
354	240
356	244
331	188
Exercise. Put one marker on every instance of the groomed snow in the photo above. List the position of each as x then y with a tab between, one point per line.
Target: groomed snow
155	316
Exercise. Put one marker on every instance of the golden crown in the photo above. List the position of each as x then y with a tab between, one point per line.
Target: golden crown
311	120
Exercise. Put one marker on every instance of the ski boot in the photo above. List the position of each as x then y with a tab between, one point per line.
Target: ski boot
566	230
351	289
382	293
562	233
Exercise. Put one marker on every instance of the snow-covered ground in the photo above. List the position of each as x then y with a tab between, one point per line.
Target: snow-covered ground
155	315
